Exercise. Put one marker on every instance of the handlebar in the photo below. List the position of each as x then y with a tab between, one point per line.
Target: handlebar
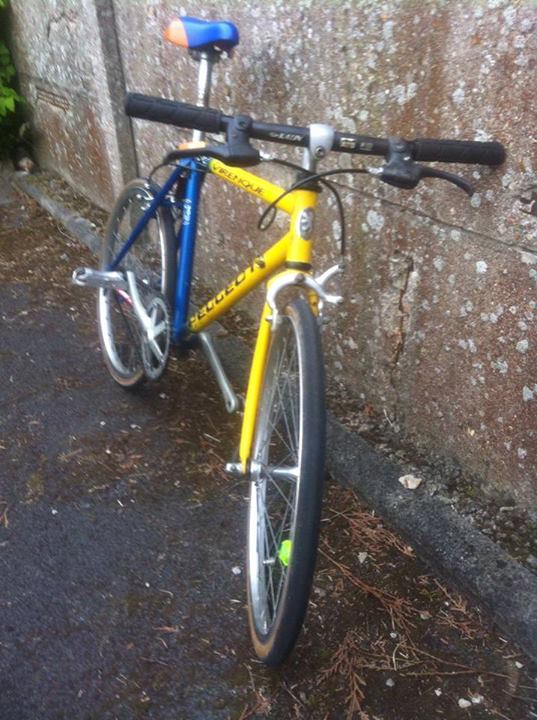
172	112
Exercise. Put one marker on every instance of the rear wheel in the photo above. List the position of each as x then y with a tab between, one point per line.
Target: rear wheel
152	260
287	471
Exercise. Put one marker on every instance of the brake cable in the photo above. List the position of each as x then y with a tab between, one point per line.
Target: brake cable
175	165
262	225
337	197
399	171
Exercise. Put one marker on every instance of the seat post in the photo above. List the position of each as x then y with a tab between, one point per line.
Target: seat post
206	61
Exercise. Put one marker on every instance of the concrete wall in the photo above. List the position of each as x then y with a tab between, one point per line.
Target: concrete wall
67	74
439	324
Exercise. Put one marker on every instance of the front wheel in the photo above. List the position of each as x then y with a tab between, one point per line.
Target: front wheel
287	472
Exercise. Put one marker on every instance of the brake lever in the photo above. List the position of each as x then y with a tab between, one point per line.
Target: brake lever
236	151
399	170
450	177
402	172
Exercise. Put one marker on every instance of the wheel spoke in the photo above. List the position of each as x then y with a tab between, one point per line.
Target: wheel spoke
292	374
268	522
281	438
267	570
281	493
291	435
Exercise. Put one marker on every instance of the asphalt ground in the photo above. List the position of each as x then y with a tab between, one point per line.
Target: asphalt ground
122	548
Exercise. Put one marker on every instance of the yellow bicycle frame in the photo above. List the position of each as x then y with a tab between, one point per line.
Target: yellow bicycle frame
292	250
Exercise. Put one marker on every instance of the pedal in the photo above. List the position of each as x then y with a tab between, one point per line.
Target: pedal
87	277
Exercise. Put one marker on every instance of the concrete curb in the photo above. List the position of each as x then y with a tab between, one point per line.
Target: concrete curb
77	226
448	543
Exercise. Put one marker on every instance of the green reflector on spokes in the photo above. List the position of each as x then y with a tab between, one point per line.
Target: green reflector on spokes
284	553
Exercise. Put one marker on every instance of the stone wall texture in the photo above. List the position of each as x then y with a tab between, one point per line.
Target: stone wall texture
439	326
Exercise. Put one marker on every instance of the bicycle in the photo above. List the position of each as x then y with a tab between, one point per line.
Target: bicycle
144	284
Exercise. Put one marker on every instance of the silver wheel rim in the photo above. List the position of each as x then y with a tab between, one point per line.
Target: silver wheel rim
275	482
120	330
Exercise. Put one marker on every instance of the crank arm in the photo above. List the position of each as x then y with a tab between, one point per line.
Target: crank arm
107	280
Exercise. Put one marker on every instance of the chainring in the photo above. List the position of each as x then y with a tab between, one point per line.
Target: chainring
156	342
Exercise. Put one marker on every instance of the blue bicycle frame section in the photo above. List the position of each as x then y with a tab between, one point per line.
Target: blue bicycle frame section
185	241
186	244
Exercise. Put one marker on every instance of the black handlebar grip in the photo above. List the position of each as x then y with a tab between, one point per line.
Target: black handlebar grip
459	151
171	112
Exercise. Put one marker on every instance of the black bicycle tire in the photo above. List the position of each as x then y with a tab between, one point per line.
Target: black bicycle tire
274	646
165	218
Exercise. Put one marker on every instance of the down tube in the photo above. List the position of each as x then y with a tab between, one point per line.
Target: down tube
186	249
